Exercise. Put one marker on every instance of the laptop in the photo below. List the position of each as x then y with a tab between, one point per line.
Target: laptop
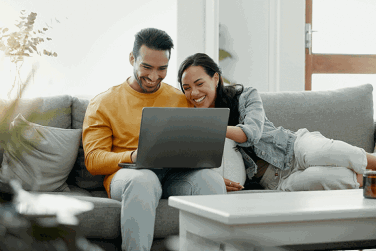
181	138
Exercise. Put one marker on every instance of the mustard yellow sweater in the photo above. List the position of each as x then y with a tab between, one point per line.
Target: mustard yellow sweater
112	124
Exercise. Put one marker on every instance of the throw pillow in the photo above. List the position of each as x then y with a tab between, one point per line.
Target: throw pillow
232	167
39	157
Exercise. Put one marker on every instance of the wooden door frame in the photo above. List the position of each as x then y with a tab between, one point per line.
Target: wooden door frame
334	63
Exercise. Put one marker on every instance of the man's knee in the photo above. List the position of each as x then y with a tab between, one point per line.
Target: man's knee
194	182
209	182
136	182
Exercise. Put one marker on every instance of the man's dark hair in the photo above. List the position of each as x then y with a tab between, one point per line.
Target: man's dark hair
227	96
154	39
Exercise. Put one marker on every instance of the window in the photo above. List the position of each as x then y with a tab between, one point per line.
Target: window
342	52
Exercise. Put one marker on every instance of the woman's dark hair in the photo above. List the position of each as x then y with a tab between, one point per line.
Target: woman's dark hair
154	39
227	96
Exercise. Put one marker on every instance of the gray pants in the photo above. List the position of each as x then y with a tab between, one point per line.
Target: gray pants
319	163
140	191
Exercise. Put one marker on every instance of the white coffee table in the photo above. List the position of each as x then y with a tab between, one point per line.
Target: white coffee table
274	219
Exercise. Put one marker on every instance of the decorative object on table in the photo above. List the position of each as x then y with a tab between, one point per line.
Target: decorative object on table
369	184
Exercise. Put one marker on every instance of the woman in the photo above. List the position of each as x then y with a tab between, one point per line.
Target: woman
277	158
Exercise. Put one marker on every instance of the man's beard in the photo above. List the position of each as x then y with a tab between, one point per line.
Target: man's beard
139	82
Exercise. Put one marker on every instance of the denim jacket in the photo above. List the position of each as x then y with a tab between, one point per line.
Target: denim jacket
274	145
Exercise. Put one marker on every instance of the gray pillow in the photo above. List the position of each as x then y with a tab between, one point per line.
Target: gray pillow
40	157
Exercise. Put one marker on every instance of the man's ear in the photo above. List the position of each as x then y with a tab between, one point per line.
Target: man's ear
131	58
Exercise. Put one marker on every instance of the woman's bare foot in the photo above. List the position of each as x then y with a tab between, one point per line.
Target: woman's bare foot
371	161
359	178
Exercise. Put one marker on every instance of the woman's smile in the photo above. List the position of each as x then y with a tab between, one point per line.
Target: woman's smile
199	100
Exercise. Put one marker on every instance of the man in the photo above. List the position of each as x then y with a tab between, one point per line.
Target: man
110	135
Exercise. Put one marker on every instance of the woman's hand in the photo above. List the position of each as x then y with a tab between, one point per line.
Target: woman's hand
232	186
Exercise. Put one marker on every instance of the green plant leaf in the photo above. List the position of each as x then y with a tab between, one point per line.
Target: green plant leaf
224	54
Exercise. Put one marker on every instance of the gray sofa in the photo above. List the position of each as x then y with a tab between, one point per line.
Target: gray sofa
345	114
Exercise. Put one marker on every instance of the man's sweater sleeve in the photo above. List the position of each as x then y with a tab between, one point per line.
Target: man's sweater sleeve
97	144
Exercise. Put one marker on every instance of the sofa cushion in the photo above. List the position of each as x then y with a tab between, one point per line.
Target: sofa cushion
80	176
40	157
103	221
79	107
47	111
168	220
344	114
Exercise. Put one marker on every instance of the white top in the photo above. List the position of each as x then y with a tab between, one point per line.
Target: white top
250	208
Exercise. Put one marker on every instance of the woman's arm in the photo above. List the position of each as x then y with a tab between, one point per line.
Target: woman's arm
236	134
252	117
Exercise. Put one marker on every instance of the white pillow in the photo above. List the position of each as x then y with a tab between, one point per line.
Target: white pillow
39	157
232	167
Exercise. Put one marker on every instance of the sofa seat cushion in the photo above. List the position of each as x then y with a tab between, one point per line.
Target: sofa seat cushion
167	220
99	193
101	222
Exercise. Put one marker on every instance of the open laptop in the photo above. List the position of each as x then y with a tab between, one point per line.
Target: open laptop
181	138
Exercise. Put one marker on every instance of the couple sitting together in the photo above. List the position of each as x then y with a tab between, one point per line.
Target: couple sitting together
276	158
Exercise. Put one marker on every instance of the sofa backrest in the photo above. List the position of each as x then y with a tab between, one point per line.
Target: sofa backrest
79	175
344	114
48	111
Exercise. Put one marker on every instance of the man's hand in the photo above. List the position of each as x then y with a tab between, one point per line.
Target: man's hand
134	156
232	186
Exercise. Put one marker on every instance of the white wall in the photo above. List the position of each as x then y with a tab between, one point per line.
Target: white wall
94	38
93	41
266	39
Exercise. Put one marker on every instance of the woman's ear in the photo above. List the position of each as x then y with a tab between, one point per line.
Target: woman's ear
216	78
131	58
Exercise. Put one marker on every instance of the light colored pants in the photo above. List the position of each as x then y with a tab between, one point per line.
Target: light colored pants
319	163
140	191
